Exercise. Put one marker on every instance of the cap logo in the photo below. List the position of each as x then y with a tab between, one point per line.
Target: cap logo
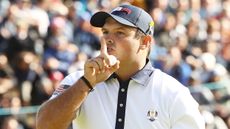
150	29
151	24
121	9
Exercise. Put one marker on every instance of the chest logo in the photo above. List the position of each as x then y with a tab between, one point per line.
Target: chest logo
152	115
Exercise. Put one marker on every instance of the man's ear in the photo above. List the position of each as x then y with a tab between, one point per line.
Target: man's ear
146	41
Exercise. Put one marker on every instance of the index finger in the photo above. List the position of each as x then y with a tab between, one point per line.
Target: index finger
103	47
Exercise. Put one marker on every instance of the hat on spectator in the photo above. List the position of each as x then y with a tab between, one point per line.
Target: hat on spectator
127	15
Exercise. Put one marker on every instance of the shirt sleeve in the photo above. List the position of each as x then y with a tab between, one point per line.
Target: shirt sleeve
185	113
67	82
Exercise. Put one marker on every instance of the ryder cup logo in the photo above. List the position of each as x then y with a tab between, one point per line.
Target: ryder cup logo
152	115
121	9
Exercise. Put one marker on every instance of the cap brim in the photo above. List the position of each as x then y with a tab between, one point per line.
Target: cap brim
99	18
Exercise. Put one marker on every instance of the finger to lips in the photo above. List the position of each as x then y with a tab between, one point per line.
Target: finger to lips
103	47
104	52
110	59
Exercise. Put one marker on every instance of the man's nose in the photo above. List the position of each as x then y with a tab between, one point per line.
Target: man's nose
108	39
109	42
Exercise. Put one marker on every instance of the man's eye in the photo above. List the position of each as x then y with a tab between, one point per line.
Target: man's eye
120	33
105	32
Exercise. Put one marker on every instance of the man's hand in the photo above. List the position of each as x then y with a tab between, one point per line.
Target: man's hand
100	68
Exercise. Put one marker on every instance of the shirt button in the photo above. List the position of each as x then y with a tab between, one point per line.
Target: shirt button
121	104
122	90
119	119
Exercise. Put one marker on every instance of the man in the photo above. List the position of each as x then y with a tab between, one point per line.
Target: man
128	92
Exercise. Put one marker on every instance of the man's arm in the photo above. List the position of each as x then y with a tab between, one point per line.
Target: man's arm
59	112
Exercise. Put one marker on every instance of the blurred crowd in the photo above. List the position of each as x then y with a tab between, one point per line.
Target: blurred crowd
42	41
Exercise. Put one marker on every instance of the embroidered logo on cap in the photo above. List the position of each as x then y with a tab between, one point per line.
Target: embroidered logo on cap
150	29
152	115
121	9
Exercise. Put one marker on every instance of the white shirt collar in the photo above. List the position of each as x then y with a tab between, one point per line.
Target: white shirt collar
141	76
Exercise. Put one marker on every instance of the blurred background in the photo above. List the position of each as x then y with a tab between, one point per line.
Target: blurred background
42	41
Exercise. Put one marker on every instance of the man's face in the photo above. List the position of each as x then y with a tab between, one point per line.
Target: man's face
121	41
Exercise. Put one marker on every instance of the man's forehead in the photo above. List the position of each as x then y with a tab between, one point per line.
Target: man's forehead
109	22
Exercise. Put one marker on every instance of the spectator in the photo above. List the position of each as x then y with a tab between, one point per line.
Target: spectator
7	79
60	55
84	38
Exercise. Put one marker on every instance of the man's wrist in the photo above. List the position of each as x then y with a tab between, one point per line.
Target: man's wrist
87	84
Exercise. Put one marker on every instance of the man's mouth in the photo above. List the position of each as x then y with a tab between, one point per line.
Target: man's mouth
109	49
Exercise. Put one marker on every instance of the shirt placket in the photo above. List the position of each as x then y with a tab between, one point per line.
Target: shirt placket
121	104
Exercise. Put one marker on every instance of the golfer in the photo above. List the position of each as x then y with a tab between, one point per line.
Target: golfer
120	89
